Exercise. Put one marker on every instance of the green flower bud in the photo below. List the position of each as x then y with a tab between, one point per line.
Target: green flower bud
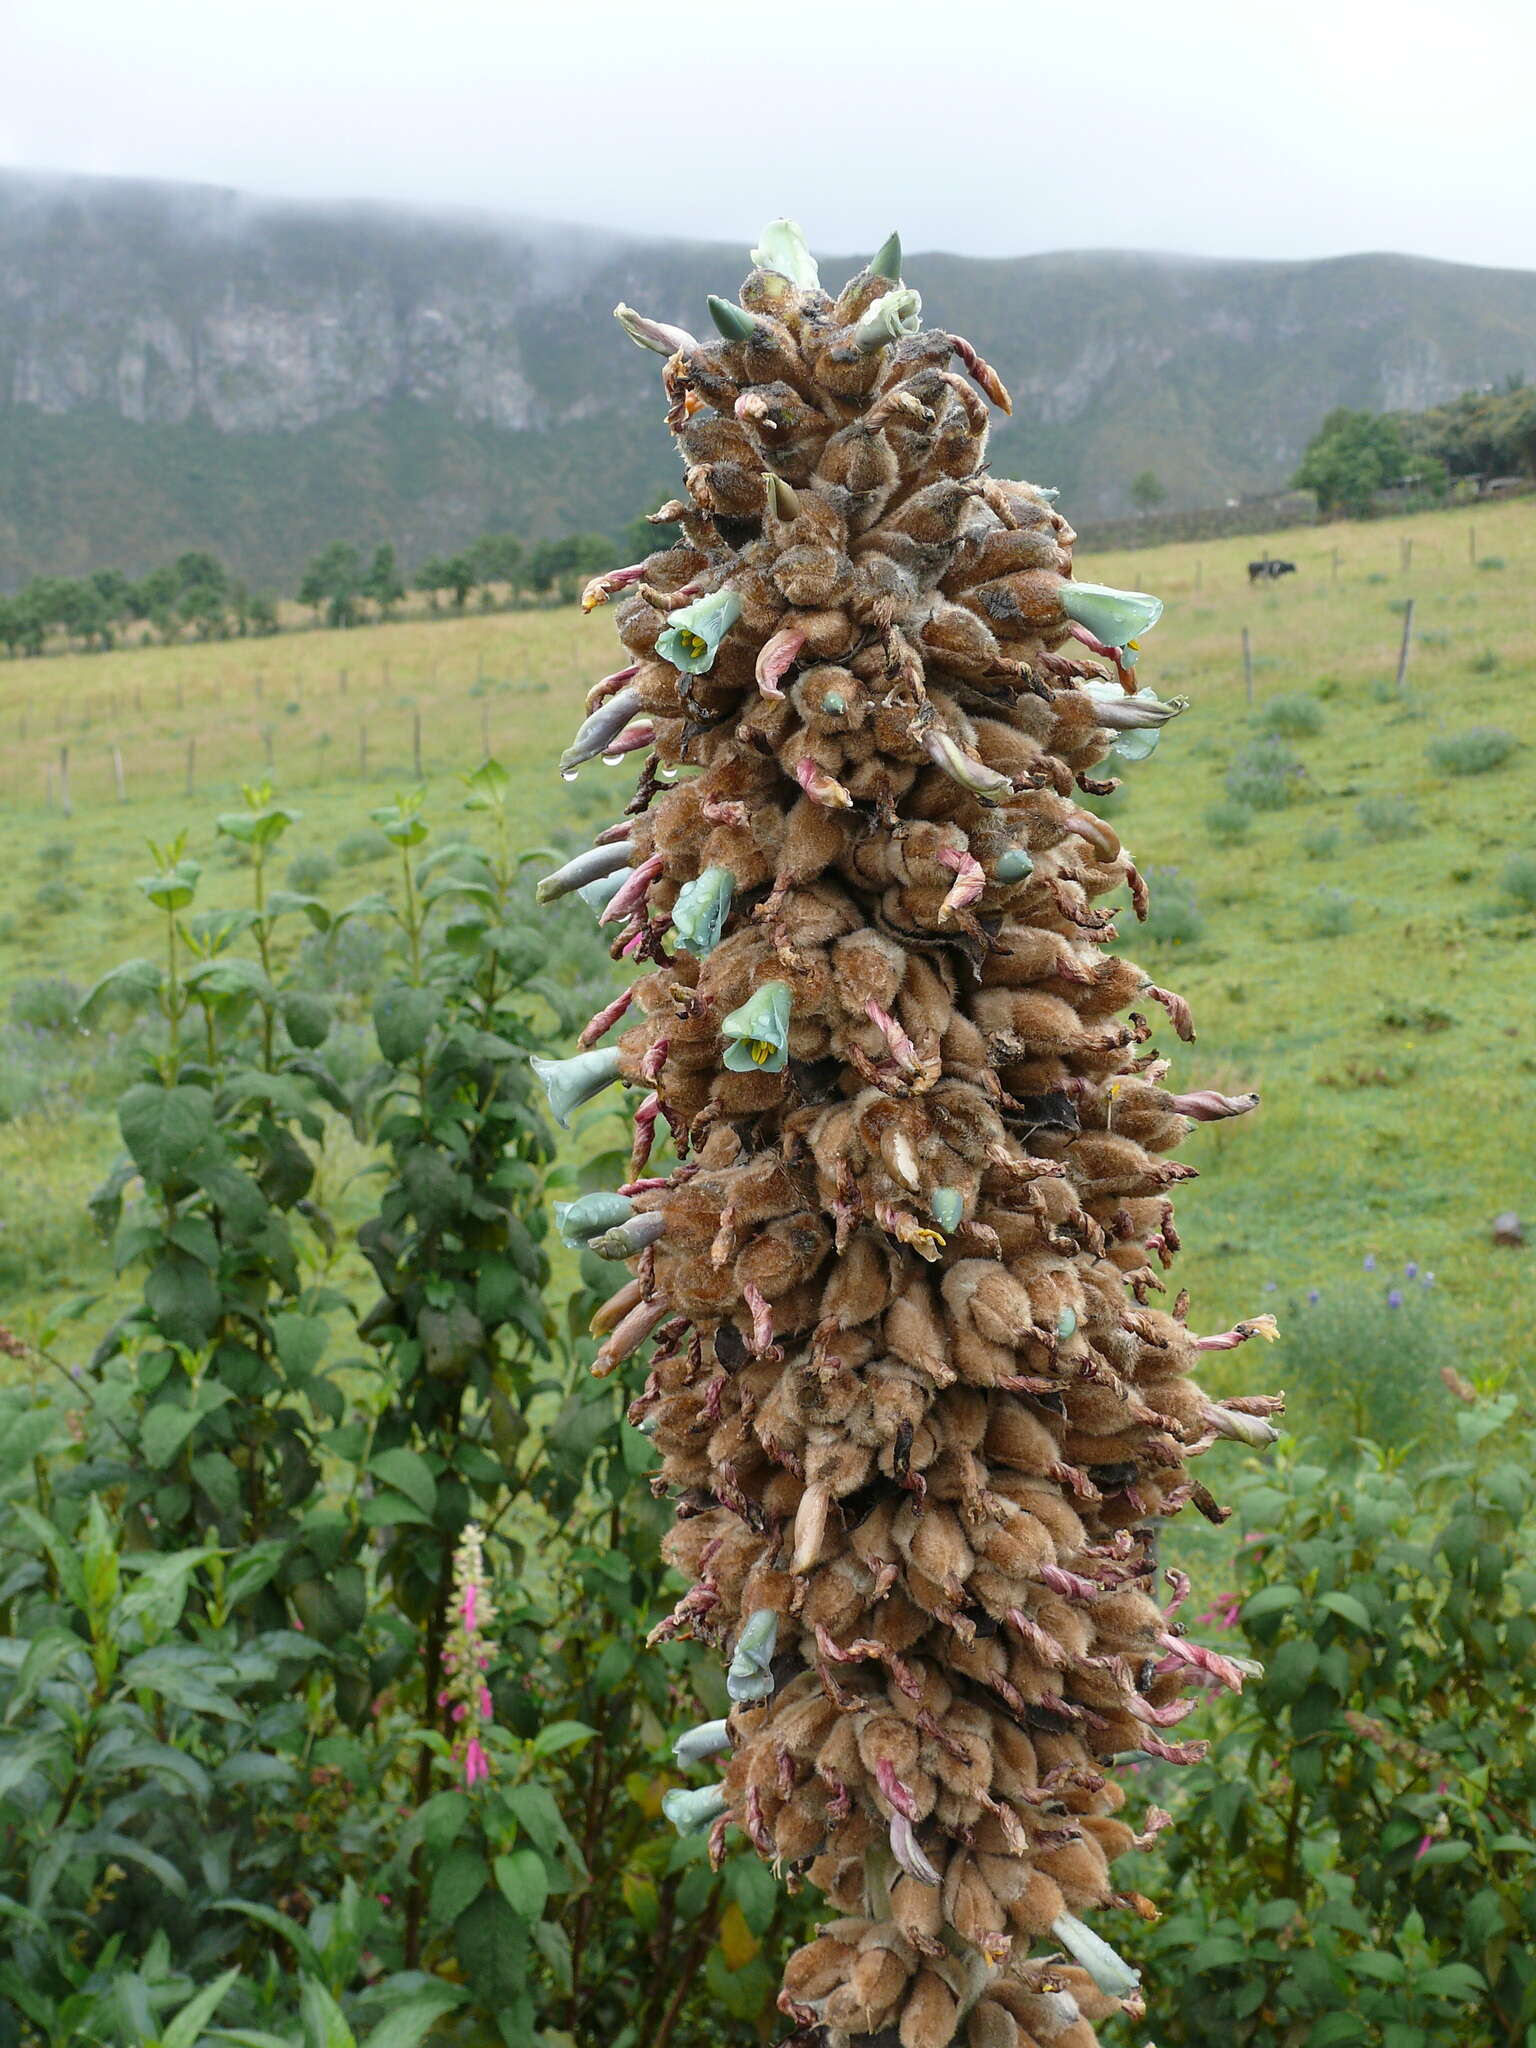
948	1206
897	312
586	1218
702	907
694	1811
886	261
785	250
1013	865
692	636
1113	616
1113	1975
733	321
1066	1323
757	1035
750	1676
570	1083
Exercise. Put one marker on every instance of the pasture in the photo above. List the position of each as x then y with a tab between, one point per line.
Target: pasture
1341	907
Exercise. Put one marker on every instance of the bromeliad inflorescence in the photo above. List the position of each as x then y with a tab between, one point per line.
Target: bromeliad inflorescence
908	1386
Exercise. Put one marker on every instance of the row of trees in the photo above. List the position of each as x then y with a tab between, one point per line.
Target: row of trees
198	597
1355	456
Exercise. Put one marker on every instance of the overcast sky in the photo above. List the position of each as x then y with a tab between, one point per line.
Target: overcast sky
997	127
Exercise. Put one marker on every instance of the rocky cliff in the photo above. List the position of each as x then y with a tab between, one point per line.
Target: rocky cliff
184	367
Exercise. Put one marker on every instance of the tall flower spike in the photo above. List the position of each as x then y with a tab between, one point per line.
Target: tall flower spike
922	1160
467	1656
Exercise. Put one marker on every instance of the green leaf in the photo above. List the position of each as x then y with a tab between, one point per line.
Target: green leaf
492	1945
300	1341
278	1923
253	1569
560	1735
190	2023
439	1821
460	1879
282	901
1348	1607
410	2023
523	1882
306	1019
1270	1600
134	982
402	1021
48	1651
409	1473
1451	1980
229	978
164	1430
325	2024
164	1128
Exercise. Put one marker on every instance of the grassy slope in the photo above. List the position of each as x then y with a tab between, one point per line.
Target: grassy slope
1327	1170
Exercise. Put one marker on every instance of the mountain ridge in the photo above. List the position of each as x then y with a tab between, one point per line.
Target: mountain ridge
191	366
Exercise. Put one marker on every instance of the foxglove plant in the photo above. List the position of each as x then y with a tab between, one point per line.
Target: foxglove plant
916	1411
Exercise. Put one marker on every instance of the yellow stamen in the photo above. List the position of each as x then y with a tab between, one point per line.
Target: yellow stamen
694	644
762	1051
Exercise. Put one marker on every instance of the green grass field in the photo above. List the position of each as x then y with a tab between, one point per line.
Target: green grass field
1353	954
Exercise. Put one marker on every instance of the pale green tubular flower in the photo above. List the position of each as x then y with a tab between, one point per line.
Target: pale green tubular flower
948	1206
897	313
570	1083
1113	616
703	905
694	1811
750	1676
757	1035
886	261
599	894
784	249
579	1222
734	322
1113	1975
708	1739
1013	865
692	636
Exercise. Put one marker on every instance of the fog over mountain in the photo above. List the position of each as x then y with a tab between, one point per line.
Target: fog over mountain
182	366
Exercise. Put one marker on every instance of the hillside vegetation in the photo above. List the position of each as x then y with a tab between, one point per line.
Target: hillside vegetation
187	368
1360	953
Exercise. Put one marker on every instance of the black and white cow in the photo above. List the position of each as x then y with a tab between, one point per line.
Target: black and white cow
1260	570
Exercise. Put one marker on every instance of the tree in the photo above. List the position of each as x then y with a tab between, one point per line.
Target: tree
382	585
497	558
1147	491
459	579
333	583
561	564
1351	457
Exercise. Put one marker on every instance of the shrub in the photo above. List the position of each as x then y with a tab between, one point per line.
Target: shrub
1229	824
1473	752
1264	775
56	899
1330	914
1173	918
1321	843
1519	879
1294	718
358	849
1488	562
1488	663
309	872
1387	817
45	1003
1353	1858
55	855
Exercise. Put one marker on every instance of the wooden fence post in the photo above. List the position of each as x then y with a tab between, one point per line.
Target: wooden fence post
416	743
1402	652
362	750
64	803
117	773
1472	545
1405	553
191	766
485	730
1247	666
